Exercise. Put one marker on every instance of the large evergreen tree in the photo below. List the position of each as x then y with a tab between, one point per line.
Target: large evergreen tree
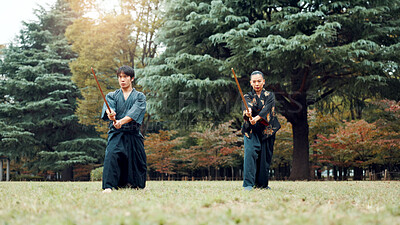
308	49
187	82
38	98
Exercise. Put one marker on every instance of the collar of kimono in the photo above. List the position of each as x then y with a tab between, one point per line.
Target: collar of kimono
262	95
133	89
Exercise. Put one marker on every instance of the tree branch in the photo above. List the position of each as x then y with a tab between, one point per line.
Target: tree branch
312	102
329	75
284	99
303	82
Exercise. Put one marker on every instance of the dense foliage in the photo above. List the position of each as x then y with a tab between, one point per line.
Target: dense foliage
309	50
38	98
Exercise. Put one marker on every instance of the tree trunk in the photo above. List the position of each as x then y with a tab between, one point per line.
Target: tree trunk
1	170
327	173
334	173
209	172
293	107
287	171
300	164
232	172
358	173
341	173
143	128
8	170
67	174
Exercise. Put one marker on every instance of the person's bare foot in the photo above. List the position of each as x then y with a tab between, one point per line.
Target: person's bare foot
107	190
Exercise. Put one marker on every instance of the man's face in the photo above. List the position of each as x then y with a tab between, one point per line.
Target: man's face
257	82
124	80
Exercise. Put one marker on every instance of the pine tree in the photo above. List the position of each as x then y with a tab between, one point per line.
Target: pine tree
39	98
186	82
308	50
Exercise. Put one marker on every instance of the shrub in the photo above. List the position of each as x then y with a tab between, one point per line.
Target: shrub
27	177
96	174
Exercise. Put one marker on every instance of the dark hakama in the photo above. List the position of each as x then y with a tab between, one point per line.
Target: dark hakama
125	158
257	160
259	139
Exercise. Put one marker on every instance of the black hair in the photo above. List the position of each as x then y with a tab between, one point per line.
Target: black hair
257	72
129	71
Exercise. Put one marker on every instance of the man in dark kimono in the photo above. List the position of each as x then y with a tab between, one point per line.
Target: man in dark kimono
259	133
125	159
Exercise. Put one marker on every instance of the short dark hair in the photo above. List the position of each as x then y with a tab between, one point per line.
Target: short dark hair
129	71
257	72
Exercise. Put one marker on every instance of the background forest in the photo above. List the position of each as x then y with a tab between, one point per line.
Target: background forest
333	66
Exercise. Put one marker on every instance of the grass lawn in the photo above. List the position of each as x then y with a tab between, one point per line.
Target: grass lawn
208	202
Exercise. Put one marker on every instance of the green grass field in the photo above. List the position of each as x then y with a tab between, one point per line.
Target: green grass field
177	202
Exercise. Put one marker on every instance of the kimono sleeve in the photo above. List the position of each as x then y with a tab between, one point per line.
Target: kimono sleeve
269	106
247	97
138	109
110	98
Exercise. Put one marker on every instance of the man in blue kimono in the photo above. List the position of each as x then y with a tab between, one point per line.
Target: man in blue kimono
125	159
259	128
